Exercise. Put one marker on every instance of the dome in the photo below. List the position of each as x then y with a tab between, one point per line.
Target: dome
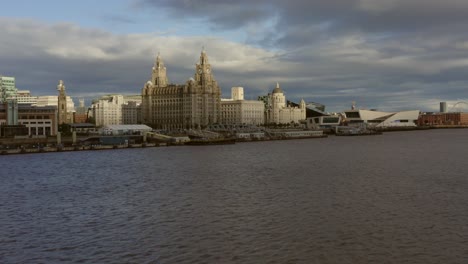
277	89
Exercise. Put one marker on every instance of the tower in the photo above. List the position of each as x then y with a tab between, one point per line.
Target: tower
203	74
159	77
302	105
237	93
208	92
62	104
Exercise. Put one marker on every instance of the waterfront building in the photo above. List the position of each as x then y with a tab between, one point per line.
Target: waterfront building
107	110
40	121
323	122
196	104
8	88
277	112
237	111
131	113
373	118
446	119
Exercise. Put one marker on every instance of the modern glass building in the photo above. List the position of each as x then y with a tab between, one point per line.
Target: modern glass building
7	88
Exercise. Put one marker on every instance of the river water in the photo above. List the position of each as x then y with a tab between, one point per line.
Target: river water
401	197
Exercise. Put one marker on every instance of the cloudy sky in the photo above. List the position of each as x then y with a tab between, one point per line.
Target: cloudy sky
384	54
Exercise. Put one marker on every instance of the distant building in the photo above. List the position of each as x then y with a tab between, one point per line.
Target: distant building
451	118
8	88
81	109
131	113
196	104
237	111
107	110
25	97
52	100
443	107
382	119
81	114
277	112
39	121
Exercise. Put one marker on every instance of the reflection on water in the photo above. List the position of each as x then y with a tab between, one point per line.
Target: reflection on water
395	198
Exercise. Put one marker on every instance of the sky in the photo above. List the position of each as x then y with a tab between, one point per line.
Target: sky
389	55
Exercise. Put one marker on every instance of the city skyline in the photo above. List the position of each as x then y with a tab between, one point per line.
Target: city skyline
388	55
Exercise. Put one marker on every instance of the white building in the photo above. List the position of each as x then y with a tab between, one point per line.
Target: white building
382	119
108	110
24	97
279	113
237	111
52	100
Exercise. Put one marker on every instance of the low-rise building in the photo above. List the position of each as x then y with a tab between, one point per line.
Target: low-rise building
125	129
25	97
40	121
373	118
237	111
448	118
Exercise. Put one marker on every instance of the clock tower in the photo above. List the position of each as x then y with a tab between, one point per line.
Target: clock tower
159	77
62	104
203	74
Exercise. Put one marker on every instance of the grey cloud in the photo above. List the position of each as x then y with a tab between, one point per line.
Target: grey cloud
118	18
385	71
373	16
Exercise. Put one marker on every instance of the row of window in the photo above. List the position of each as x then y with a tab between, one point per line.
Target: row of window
33	123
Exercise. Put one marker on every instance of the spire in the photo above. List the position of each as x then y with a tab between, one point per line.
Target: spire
203	57
159	77
302	104
159	62
277	89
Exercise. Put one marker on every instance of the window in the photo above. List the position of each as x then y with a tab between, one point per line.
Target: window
352	115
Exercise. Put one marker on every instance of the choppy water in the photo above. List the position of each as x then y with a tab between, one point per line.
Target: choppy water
395	198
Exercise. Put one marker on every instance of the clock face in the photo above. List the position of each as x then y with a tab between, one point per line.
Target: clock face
199	70
208	70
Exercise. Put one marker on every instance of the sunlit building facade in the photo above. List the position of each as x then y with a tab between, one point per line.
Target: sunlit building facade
196	104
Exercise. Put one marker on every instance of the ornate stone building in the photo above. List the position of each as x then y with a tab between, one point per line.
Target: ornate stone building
278	112
196	104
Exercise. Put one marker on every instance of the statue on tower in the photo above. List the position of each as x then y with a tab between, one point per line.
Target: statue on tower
61	86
